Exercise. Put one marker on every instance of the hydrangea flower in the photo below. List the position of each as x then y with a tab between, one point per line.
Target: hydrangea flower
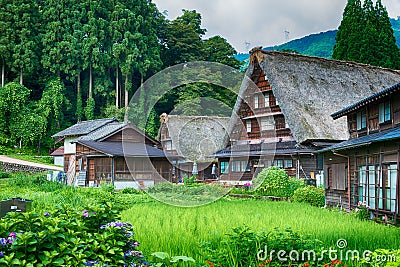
46	214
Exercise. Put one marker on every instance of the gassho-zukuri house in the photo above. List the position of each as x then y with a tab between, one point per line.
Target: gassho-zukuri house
284	110
109	151
365	168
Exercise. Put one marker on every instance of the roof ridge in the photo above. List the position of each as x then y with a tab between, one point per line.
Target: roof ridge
344	62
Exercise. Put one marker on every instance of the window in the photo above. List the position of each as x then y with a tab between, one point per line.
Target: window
361	120
256	103
235	166
288	163
280	123
276	102
248	126
384	112
278	163
245	166
224	166
320	162
267	124
266	100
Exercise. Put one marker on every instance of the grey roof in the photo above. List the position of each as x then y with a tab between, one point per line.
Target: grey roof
84	127
197	137
126	149
264	149
386	135
388	91
310	89
103	131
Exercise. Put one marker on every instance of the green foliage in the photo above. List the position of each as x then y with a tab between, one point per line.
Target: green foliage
191	194
89	109
69	237
366	35
310	194
163	259
114	112
243	247
190	180
383	258
276	182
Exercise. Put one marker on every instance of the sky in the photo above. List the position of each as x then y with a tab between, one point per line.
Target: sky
264	22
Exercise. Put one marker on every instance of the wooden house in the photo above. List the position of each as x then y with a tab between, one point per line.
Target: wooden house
284	109
365	168
195	139
108	151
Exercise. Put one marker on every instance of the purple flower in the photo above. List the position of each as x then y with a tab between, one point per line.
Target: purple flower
46	214
85	213
13	235
3	241
1	254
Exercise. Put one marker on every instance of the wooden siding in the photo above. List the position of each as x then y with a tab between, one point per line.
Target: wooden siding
128	135
372	117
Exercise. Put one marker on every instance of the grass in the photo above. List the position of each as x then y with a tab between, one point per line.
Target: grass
179	231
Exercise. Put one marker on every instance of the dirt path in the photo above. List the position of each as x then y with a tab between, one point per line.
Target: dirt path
28	163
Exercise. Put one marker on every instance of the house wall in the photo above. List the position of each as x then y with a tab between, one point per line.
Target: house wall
128	135
69	148
59	160
373	124
374	178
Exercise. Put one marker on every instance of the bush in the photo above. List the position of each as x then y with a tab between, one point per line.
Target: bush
68	237
243	247
310	194
4	174
276	182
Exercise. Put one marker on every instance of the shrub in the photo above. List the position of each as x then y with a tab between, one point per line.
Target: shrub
68	237
4	174
276	182
310	194
243	247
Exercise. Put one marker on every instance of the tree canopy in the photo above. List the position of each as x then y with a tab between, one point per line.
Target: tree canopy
71	60
366	35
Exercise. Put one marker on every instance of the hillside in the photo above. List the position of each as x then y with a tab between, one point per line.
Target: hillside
320	44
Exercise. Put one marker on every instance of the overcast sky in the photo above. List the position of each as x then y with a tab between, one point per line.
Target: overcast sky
264	22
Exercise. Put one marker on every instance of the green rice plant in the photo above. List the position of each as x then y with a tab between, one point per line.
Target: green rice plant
179	231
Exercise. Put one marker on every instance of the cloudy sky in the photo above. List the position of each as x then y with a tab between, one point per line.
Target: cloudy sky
264	22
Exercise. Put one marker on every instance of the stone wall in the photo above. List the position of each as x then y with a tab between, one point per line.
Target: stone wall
12	167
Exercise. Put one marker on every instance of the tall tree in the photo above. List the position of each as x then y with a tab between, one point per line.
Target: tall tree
5	37
366	35
217	49
183	39
350	32
58	37
95	44
25	41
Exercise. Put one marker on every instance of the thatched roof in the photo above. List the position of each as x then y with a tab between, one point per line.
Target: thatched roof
310	89
197	137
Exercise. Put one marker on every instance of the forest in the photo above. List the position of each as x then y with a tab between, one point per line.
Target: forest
65	61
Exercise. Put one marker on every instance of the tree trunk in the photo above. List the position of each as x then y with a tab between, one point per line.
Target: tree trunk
79	97
38	148
21	78
3	73
126	91
117	87
90	95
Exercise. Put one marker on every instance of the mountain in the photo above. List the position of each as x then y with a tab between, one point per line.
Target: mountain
320	44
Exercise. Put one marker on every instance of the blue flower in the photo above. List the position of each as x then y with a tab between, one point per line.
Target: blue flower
1	254
46	214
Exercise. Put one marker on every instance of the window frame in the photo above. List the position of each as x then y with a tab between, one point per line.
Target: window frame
248	126
361	120
385	112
